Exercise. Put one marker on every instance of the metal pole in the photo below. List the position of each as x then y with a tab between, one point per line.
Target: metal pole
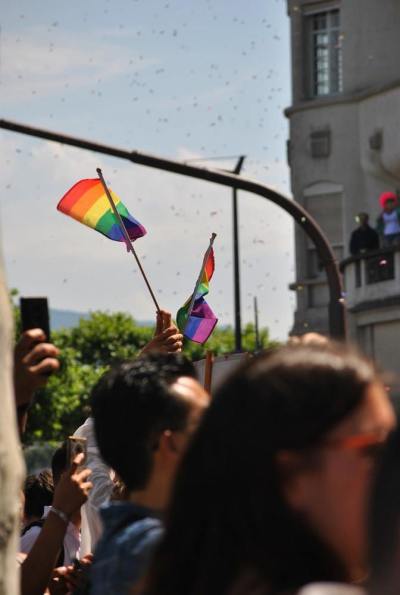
257	333
337	309
236	261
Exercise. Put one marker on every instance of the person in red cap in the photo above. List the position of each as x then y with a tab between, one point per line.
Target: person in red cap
388	222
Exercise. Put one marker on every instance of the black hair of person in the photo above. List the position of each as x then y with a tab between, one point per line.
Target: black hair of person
384	524
228	518
131	405
39	491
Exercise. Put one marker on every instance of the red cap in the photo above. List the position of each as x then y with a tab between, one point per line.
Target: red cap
385	196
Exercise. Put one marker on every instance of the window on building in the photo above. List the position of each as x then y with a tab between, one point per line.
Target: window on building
320	141
325	52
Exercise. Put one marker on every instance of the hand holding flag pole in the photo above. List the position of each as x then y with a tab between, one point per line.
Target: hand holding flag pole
128	241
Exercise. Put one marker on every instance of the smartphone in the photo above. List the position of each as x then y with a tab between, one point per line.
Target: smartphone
75	446
35	314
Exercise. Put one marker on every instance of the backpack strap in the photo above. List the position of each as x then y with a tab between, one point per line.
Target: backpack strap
30	526
40	523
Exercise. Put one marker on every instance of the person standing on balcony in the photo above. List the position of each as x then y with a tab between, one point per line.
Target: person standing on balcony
364	238
388	222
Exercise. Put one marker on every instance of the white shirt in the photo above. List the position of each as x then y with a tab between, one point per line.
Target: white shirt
101	478
72	540
391	223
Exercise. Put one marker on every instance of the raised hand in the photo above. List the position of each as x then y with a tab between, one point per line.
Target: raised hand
73	488
34	361
167	337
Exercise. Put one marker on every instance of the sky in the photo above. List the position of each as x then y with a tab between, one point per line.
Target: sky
186	79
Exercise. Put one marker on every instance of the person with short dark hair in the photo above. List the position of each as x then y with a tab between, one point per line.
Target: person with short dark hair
166	339
144	414
272	492
38	492
364	238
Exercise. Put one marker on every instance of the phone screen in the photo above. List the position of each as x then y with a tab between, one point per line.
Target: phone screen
35	314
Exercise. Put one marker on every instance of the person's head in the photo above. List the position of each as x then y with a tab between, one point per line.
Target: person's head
38	493
59	462
388	201
275	481
384	534
362	219
144	412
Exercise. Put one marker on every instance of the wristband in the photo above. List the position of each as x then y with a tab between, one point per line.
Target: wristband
60	514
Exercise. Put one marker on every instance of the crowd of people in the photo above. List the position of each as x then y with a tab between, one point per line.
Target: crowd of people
387	232
284	482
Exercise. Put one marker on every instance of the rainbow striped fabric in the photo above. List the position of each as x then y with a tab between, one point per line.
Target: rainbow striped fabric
202	319
87	202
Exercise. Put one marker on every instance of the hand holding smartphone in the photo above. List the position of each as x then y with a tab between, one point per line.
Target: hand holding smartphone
75	446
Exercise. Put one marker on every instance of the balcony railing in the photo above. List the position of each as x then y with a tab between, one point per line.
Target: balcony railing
372	276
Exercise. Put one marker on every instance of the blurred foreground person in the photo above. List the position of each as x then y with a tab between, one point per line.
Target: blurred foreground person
272	492
385	523
144	413
12	471
167	339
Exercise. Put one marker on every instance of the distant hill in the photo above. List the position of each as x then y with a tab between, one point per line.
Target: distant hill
68	318
65	318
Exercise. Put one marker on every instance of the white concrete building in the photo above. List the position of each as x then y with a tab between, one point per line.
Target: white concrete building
344	151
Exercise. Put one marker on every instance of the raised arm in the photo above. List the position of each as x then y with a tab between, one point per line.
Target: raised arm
71	492
34	361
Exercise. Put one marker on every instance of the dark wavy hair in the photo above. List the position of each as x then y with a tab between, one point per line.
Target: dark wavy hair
228	519
39	491
384	529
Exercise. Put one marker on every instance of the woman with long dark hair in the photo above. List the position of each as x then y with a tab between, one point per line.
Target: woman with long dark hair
384	535
271	494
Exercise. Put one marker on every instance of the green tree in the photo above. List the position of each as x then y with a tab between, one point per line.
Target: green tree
87	350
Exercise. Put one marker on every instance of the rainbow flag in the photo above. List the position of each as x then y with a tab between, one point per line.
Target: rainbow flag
87	202
202	319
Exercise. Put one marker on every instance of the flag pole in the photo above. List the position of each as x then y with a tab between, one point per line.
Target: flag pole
257	333
126	236
198	282
208	370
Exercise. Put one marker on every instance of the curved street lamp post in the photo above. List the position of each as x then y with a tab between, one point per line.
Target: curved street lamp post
337	314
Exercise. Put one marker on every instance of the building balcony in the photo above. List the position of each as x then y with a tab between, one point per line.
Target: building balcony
372	279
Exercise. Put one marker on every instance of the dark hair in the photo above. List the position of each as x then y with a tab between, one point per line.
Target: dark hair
228	517
59	462
131	405
38	490
384	534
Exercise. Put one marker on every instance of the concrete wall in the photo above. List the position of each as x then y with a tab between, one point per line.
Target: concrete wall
369	106
371	43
